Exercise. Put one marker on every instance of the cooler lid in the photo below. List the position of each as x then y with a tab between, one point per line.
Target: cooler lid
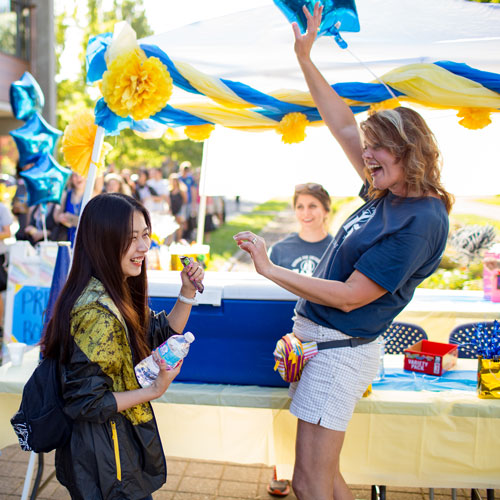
220	285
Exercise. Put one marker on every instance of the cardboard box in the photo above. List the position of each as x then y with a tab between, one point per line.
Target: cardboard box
433	358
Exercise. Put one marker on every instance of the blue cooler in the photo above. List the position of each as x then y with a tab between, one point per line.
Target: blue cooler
237	323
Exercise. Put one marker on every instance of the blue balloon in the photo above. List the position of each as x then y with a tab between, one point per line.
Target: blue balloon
45	180
338	15
35	137
26	97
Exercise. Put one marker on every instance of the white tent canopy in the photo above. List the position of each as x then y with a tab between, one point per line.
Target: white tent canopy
255	47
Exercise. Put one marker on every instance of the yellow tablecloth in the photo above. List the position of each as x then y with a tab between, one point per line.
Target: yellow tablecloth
397	438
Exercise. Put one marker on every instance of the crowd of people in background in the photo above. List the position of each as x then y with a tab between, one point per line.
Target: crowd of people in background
168	190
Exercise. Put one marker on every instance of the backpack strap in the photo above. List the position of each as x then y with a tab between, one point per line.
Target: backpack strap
352	342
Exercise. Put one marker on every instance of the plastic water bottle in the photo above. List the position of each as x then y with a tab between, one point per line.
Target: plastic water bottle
172	351
381	368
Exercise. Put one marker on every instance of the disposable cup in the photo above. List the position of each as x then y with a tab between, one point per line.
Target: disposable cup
16	352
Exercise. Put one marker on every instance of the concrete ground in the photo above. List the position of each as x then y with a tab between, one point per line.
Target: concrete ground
192	480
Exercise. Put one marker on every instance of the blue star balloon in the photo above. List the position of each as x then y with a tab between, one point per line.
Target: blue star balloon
338	15
26	97
45	180
35	137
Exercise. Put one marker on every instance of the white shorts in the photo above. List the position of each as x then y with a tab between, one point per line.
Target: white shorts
334	380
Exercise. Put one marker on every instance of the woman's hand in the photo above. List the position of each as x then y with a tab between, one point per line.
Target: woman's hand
128	399
165	377
304	43
68	220
191	273
256	247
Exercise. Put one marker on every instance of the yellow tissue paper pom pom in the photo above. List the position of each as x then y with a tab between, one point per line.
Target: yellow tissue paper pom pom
292	128
380	106
474	118
135	85
7	192
78	142
199	133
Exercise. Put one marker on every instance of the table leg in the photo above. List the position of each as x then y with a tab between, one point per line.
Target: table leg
378	492
29	475
38	477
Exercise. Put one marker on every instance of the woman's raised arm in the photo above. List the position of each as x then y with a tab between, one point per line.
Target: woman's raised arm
334	111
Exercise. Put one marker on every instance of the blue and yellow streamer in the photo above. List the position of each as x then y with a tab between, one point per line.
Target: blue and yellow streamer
474	94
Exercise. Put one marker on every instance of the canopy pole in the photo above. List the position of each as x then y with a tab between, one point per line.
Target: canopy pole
203	196
91	177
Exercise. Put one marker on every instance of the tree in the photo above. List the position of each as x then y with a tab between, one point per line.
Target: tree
73	96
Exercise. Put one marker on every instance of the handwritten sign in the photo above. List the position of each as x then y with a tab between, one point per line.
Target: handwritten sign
28	288
30	303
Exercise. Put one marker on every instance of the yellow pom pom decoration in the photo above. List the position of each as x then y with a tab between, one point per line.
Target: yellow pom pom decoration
474	118
78	142
292	128
199	133
380	106
135	85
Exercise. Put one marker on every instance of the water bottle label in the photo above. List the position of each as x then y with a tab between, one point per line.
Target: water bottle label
168	355
146	371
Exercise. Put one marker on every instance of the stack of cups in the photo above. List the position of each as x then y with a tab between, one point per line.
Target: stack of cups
16	352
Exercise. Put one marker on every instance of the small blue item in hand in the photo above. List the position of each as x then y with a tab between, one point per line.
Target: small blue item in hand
338	15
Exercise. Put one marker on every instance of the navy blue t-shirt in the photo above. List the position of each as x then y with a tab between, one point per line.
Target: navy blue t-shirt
297	254
396	242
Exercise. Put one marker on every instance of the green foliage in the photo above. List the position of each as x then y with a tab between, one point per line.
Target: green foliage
8	154
338	202
8	32
492	200
222	244
452	274
469	219
132	151
272	206
456	279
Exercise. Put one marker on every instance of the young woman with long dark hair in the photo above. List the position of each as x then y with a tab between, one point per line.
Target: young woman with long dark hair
100	328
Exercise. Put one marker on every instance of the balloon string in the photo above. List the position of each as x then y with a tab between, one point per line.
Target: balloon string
372	73
44	226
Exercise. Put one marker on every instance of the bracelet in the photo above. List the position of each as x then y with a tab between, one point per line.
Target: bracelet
191	302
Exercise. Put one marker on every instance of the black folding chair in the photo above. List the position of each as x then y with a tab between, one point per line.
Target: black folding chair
399	336
462	335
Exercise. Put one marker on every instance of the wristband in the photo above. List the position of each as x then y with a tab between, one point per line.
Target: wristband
191	302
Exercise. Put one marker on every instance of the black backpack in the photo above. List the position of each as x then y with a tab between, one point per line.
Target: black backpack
40	423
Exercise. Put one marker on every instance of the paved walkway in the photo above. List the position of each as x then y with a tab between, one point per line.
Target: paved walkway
191	480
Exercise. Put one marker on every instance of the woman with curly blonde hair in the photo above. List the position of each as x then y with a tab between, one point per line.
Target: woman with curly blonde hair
405	134
366	276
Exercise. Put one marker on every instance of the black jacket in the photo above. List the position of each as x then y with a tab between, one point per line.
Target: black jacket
111	455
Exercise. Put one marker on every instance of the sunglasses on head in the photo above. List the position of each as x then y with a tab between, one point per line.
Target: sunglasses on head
310	186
